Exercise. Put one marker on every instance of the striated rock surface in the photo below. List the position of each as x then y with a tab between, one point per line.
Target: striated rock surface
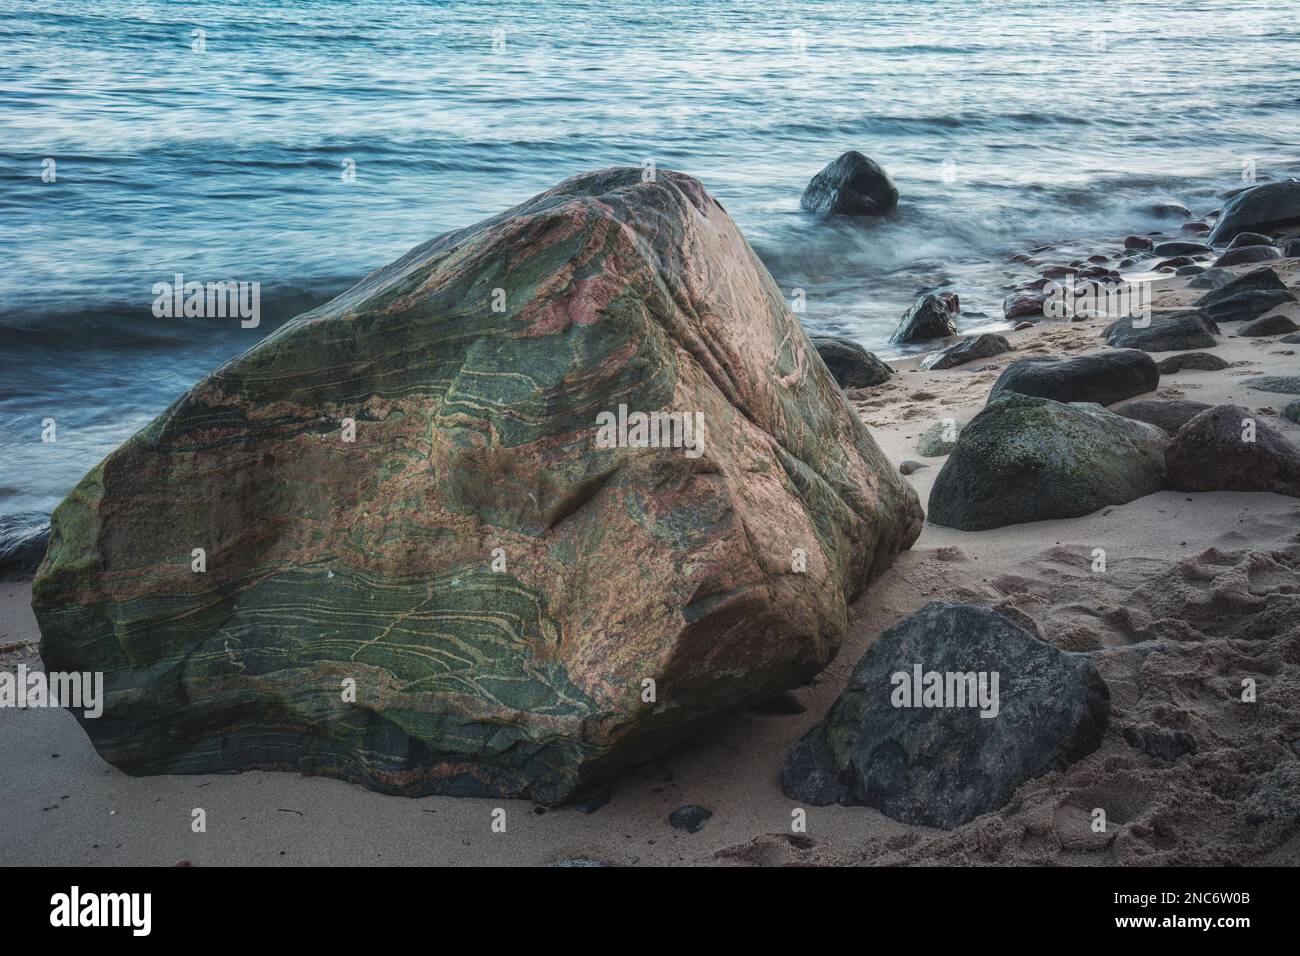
492	584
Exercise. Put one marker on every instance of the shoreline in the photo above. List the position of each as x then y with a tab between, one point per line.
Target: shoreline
65	805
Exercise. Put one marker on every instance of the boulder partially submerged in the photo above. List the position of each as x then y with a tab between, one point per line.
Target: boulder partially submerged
1260	209
946	714
852	185
423	539
930	317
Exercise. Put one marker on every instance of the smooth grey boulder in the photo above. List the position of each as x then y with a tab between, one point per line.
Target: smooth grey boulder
1250	239
1261	209
1283	384
1247	255
928	318
1201	361
1163	332
1181	247
936	761
1025	458
984	345
1246	297
852	185
850	364
1104	378
1227	448
23	539
1276	324
1168	416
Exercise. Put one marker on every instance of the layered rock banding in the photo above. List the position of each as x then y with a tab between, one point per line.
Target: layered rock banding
404	492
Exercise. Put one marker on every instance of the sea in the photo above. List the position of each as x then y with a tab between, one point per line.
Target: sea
299	145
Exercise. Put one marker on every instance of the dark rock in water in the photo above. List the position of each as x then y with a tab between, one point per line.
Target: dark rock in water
1212	279
1169	210
372	564
1201	361
1104	378
1275	796
940	438
935	761
985	345
1189	270
928	318
851	365
1248	254
1181	247
1169	416
784	704
1032	459
1138	242
1276	324
1217	451
1292	412
1159	742
853	185
1028	301
689	818
1262	208
1176	263
1164	332
1284	384
1250	239
1195	228
23	539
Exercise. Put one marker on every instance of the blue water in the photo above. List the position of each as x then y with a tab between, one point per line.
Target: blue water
1060	119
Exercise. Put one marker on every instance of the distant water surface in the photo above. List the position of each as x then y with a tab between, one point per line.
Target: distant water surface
1004	124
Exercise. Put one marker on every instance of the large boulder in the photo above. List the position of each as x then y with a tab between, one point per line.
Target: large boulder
851	365
1227	448
1262	208
444	552
1245	255
930	317
1275	324
852	185
1246	297
946	714
1163	332
1025	458
1104	378
984	345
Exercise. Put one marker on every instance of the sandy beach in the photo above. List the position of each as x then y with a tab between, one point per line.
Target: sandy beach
1220	556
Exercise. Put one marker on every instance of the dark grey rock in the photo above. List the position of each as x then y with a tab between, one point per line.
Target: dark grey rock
1025	302
850	364
1164	332
1201	361
928	318
910	467
1169	416
1104	378
1290	339
23	539
852	185
943	766
1211	453
1248	254
1159	742
1291	249
1138	243
1212	279
985	345
1283	384
689	818
1261	209
1292	412
785	704
1189	270
1250	239
1181	247
1025	458
1276	324
1169	210
592	801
